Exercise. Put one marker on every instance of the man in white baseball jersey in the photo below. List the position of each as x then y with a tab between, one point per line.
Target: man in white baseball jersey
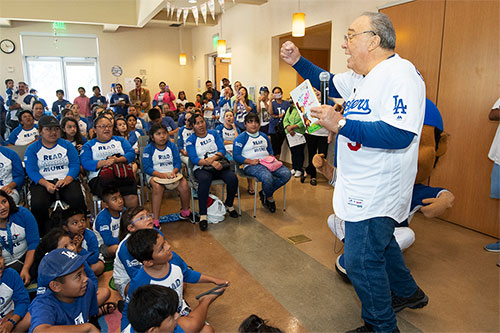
377	150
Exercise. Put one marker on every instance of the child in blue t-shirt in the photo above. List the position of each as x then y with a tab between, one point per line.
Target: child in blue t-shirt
161	159
156	118
14	300
66	297
58	238
60	103
107	222
164	267
75	224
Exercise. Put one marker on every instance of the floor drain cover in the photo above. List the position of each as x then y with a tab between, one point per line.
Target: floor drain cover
299	239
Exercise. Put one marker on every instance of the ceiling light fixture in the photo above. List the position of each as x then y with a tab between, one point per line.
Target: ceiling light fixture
299	24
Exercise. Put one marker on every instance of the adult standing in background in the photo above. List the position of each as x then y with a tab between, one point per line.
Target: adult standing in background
377	150
165	98
210	88
494	155
23	100
276	130
263	108
83	102
119	101
140	96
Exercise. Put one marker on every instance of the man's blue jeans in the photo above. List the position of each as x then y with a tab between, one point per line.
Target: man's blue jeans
375	266
271	181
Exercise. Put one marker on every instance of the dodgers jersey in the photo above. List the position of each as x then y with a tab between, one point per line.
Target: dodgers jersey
251	146
199	148
177	274
11	168
13	294
94	151
373	182
51	163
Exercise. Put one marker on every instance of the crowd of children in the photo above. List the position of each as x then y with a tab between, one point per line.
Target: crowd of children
63	255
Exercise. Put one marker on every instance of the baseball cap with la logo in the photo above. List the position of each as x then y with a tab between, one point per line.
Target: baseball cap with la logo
58	262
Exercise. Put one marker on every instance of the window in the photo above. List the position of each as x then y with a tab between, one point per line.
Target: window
48	74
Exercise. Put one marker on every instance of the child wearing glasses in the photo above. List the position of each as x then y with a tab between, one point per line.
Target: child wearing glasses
125	266
75	224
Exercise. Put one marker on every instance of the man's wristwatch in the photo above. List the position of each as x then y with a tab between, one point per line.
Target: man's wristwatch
341	124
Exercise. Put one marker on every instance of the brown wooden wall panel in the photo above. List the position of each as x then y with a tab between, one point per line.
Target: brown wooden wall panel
469	85
419	28
320	58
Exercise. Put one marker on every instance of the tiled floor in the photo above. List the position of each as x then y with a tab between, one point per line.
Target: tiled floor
296	287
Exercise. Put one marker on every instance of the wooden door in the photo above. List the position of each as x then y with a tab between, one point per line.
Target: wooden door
419	30
320	58
469	84
221	70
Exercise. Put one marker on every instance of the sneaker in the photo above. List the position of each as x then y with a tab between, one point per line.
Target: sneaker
203	225
340	268
418	300
493	247
271	205
298	173
292	171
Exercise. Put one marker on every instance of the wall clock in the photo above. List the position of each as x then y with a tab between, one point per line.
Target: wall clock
7	46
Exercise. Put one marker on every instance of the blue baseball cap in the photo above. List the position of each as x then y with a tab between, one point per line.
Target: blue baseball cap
263	88
113	85
58	262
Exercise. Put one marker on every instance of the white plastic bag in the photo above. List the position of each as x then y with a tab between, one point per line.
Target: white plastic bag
217	211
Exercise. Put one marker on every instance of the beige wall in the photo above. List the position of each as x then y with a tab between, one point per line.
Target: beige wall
155	49
249	29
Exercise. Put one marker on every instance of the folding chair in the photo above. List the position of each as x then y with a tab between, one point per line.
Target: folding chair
240	172
191	177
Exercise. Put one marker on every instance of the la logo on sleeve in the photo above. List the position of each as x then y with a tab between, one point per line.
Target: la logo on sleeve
399	107
79	319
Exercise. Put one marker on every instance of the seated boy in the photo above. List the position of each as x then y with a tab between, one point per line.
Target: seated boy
26	132
66	298
75	224
107	222
161	266
14	300
153	308
156	118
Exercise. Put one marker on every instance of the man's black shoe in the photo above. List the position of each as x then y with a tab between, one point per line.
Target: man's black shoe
271	205
368	328
365	328
418	300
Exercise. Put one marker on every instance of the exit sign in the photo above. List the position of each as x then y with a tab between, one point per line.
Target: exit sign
59	26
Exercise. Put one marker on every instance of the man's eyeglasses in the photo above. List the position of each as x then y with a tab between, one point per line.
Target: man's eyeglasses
104	126
348	37
142	218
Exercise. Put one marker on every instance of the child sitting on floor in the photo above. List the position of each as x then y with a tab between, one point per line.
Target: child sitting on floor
66	297
153	308
14	300
125	266
162	266
107	222
57	238
75	224
161	160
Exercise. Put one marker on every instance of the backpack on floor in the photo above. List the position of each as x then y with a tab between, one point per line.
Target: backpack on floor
216	211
